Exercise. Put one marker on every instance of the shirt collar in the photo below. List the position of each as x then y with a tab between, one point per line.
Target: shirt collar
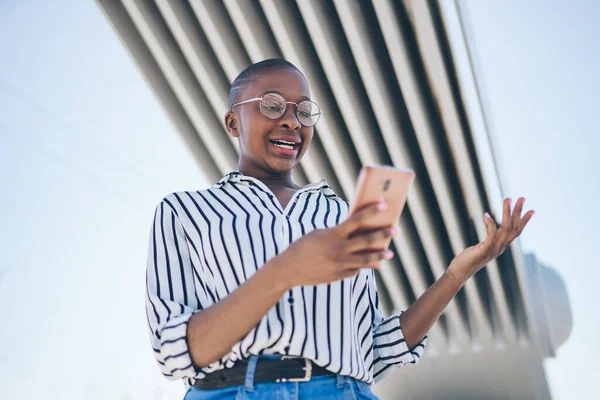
237	177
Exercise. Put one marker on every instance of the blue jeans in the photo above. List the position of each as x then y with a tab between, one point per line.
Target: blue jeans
319	387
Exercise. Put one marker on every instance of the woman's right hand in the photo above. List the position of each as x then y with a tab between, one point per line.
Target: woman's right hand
326	255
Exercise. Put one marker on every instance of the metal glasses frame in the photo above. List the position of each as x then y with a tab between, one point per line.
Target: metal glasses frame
286	103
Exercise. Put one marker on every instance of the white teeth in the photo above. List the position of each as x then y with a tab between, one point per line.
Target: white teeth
284	146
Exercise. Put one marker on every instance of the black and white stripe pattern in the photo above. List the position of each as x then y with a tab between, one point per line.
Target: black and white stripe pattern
204	244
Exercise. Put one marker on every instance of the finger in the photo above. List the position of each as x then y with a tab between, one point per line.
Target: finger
526	218
522	223
506	214
360	217
347	273
505	228
492	231
516	217
372	240
369	260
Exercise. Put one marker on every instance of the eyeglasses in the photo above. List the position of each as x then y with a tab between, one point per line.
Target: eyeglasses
273	106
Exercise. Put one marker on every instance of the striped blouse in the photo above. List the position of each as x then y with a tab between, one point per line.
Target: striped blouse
205	244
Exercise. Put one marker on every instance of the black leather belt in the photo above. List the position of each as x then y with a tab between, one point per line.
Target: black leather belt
286	369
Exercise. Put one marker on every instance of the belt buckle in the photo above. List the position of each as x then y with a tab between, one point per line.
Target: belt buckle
307	369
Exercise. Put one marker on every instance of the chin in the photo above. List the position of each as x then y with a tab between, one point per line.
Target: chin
283	165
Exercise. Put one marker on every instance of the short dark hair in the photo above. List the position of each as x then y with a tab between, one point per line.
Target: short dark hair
252	72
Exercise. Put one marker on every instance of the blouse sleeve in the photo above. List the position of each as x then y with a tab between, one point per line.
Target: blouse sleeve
389	346
171	297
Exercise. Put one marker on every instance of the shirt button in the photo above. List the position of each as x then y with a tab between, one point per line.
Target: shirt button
291	300
287	216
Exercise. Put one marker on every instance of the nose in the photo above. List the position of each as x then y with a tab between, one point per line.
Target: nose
289	120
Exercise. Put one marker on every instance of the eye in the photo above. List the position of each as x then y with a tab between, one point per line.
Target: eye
308	109
304	108
272	107
273	102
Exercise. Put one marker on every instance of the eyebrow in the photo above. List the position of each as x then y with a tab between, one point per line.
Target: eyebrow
302	97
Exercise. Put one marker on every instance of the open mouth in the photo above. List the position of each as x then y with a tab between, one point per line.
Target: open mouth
285	144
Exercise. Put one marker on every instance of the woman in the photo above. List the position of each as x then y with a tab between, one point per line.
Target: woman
254	288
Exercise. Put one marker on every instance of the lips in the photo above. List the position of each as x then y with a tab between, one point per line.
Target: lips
285	145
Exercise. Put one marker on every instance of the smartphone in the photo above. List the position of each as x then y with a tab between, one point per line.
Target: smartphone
382	183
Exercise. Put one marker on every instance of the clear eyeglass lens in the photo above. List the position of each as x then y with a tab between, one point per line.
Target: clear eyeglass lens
272	106
308	113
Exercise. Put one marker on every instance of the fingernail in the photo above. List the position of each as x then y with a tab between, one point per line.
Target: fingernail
393	231
488	215
381	206
388	254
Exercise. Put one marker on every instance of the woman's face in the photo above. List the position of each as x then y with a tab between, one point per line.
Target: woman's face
256	132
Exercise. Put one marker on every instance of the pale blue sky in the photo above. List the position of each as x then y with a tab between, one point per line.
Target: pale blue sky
86	153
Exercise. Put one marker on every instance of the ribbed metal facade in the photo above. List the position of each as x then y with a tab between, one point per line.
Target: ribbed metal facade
397	82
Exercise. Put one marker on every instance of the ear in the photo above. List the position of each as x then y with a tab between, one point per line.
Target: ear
231	124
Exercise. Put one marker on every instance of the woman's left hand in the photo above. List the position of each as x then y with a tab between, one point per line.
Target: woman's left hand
473	258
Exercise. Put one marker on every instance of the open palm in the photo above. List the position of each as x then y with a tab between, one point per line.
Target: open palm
473	258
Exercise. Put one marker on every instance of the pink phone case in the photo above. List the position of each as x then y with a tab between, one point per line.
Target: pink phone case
387	183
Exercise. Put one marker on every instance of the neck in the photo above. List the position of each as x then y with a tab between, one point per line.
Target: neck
270	178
